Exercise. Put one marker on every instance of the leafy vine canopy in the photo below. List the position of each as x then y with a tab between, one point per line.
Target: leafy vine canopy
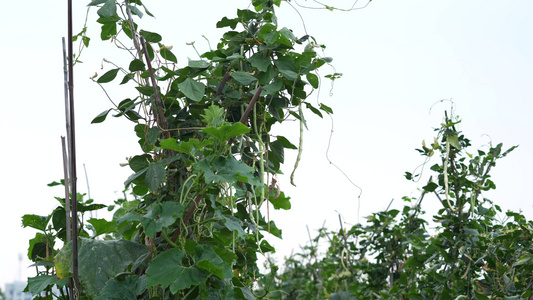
192	224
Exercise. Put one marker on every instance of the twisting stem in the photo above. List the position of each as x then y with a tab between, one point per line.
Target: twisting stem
300	144
159	105
446	184
246	113
133	32
222	84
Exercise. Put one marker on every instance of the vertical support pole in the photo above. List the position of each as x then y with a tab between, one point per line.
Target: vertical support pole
72	158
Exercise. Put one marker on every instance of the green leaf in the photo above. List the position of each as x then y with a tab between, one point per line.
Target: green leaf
277	150
243	77
135	11
453	139
101	117
227	131
192	89
273	88
108	31
192	146
313	109
129	287
245	293
96	2
155	173
325	108
161	215
231	223
35	221
136	65
153	134
259	61
207	259
225	22
281	202
430	187
166	270
139	162
471	231
227	169
150	37
59	218
38	284
199	64
167	54
287	33
109	9
287	67
313	80
133	177
127	78
524	260
145	90
99	261
108	76
266	247
214	115
102	226
285	142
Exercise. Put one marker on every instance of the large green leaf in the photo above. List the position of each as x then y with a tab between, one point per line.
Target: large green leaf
199	64
136	65
35	221
243	77
287	67
160	216
167	54
102	226
227	131
207	259
277	150
281	201
99	261
150	37
38	284
232	223
226	169
258	60
192	89
272	88
286	143
108	30
128	287
166	270
155	174
109	9
192	146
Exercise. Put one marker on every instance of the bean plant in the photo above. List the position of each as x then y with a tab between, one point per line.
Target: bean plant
190	224
470	249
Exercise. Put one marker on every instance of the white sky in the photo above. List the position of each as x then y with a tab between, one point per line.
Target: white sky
398	58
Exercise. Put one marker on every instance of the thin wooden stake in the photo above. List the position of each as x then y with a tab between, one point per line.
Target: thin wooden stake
72	158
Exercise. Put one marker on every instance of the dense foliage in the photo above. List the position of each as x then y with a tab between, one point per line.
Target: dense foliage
467	252
190	223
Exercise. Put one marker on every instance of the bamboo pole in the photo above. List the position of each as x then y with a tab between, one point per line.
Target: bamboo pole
72	158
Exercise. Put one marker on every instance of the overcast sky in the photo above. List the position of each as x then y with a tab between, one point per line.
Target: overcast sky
398	58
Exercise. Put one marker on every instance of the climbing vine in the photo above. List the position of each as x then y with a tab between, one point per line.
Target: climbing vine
470	249
190	224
